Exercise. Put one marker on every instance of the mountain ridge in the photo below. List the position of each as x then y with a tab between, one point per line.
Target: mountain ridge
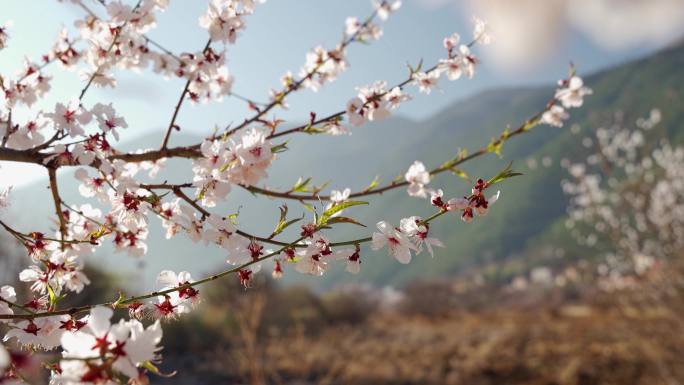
469	123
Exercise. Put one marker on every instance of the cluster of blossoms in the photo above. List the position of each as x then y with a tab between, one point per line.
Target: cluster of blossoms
412	233
570	94
476	203
84	135
93	349
242	160
375	102
630	194
324	66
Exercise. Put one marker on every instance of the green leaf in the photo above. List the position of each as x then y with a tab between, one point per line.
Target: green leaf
155	370
311	130
98	233
53	296
462	153
233	218
460	173
318	189
301	185
308	206
282	147
119	300
373	184
505	134
352	221
283	223
227	165
327	214
506	173
530	124
496	145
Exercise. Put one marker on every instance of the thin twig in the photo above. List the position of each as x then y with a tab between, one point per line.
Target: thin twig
172	124
52	174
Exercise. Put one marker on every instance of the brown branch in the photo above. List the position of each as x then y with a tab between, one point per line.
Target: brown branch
124	302
23	237
524	127
52	174
179	193
339	114
172	124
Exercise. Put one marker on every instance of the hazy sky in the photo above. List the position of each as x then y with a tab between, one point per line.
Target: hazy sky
536	40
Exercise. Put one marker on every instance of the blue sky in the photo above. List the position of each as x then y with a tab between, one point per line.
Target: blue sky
277	39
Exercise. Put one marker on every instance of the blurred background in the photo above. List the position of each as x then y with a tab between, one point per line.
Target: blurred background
574	277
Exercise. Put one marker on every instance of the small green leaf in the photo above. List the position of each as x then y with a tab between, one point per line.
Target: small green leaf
308	207
98	233
373	184
353	221
233	218
149	366
327	214
311	130
495	147
506	173
119	300
315	190
228	165
201	193
460	173
530	124
53	297
301	185
462	153
283	223
282	147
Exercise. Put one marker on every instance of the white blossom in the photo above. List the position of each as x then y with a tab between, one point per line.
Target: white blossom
418	177
397	243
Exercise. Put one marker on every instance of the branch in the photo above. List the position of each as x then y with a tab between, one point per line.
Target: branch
12	304
179	193
122	303
23	237
339	114
522	128
172	124
52	174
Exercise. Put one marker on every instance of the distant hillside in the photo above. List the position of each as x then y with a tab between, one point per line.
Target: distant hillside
530	205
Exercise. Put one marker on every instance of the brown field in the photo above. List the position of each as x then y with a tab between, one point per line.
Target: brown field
557	336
